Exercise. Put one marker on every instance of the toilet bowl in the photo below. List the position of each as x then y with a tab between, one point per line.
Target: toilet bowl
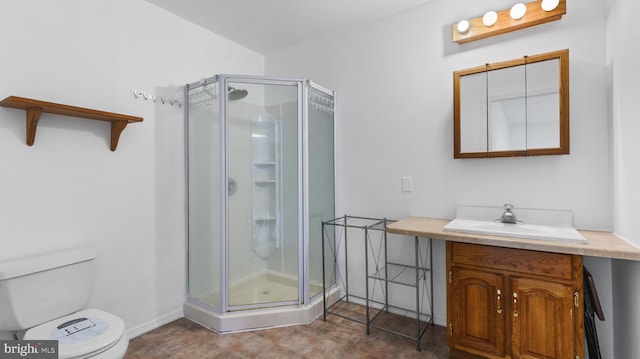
38	293
89	333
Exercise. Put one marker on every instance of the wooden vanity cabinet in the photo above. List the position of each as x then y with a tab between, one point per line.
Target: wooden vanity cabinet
513	303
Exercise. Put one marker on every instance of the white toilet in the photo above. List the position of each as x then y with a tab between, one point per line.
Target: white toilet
44	295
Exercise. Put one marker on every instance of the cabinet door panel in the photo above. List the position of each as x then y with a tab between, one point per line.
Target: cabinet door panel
543	319
477	312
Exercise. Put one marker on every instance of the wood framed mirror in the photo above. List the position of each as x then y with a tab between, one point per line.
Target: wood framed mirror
513	108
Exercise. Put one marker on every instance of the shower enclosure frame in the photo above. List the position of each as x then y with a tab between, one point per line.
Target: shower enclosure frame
308	306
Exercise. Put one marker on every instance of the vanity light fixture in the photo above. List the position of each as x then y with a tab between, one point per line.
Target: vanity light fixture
490	18
463	26
520	16
518	11
548	5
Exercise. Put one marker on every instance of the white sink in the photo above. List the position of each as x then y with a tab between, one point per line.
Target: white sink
528	231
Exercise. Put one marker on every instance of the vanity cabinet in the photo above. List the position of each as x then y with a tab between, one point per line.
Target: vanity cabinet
513	303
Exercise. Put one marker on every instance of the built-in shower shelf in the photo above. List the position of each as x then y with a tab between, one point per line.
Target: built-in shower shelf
265	181
265	219
265	164
35	108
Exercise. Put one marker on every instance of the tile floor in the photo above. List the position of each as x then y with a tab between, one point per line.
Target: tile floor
335	338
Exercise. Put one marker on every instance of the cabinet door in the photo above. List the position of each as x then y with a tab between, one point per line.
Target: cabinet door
476	311
543	319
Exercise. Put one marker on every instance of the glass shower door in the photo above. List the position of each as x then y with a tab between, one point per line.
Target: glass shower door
263	194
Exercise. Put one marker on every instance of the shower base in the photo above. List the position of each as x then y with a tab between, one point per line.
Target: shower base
263	288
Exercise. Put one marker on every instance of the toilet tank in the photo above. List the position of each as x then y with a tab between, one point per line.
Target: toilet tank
36	289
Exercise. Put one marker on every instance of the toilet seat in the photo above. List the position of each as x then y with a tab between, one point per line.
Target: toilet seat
83	334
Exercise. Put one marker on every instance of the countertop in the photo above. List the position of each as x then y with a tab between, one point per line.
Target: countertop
599	243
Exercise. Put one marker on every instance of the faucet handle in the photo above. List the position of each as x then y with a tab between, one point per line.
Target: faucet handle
508	206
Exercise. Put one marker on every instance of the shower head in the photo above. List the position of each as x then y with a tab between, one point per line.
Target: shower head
237	94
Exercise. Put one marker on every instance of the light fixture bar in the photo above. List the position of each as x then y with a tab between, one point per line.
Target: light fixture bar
534	15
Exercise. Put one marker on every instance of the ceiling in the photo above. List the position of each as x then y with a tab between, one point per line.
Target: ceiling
266	26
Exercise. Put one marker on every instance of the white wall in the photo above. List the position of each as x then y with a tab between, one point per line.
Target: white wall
69	188
624	76
394	78
394	82
394	85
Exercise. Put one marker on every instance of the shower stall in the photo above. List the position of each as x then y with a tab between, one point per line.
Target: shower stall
261	179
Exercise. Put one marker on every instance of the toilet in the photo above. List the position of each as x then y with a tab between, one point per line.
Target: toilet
43	296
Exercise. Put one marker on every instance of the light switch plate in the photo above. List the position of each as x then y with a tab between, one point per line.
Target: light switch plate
407	184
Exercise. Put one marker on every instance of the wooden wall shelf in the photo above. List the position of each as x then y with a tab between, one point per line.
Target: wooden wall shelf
535	15
35	108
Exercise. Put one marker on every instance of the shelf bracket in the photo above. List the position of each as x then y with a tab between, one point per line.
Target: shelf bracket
116	129
33	116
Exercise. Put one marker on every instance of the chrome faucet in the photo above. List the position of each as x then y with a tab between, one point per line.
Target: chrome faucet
508	216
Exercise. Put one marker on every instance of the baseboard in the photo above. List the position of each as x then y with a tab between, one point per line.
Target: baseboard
154	324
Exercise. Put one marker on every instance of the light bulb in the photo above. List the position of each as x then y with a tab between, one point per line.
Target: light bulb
463	26
490	18
548	5
518	11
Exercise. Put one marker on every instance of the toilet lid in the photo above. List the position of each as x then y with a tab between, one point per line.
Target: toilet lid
80	334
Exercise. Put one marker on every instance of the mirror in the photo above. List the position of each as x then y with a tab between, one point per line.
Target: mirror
513	108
